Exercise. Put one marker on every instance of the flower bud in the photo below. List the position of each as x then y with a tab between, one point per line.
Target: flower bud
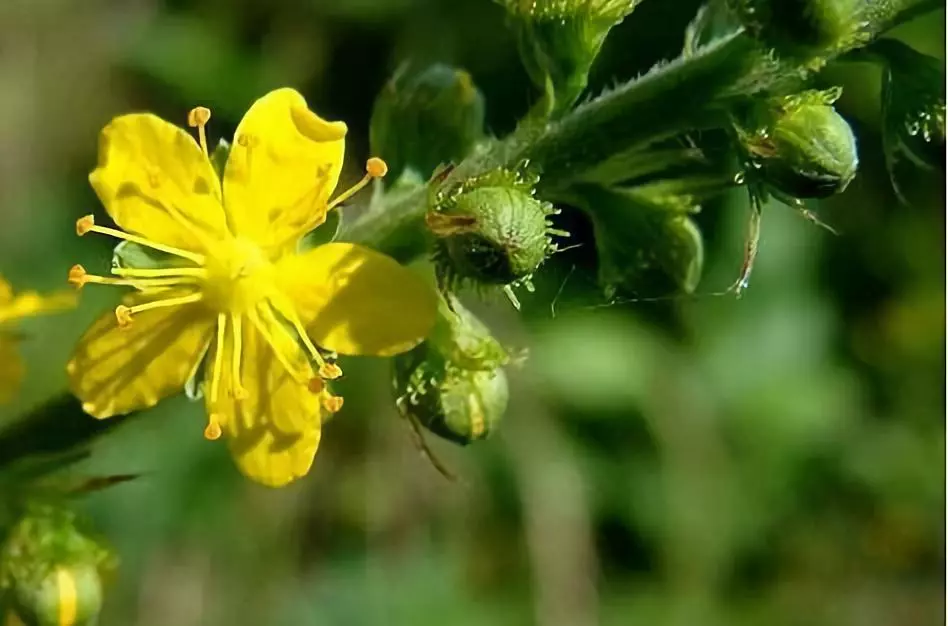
454	383
491	230
802	28
560	39
645	248
913	104
426	118
800	145
50	571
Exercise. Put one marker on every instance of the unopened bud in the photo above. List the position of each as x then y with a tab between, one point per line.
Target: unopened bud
426	118
802	28
560	39
491	230
913	104
454	384
801	146
645	248
51	571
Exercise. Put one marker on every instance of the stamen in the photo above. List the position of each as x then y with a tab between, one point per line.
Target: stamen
331	403
87	224
374	168
301	331
218	359
212	432
238	391
197	272
198	117
316	384
80	278
330	371
258	324
124	313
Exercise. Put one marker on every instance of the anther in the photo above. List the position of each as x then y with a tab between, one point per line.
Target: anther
239	393
376	167
77	276
199	116
330	371
123	315
316	384
212	432
84	224
331	403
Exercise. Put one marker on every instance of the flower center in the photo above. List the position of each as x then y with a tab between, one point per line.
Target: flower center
239	276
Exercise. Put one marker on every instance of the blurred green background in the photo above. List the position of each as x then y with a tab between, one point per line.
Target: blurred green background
774	460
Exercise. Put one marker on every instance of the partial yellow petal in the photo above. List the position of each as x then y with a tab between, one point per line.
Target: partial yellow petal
11	368
155	181
283	166
30	303
118	370
273	432
356	301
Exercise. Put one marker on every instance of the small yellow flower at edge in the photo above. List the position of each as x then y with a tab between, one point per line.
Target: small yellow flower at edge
235	294
13	308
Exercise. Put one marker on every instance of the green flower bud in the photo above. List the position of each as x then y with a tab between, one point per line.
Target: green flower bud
560	39
454	384
645	248
802	28
800	145
50	571
491	230
424	119
913	104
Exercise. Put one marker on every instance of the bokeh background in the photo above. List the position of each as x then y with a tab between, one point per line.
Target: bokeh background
775	460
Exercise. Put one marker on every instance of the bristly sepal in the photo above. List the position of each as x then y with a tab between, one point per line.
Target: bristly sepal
491	231
798	144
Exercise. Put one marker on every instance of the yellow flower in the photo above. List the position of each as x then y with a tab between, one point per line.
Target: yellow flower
12	309
233	291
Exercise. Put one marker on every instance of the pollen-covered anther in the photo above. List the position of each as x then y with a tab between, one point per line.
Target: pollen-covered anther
316	384
123	315
332	404
330	371
85	224
213	432
198	116
77	276
376	167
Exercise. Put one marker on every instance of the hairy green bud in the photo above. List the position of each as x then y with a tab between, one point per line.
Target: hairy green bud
454	384
426	118
560	39
490	230
51	571
800	145
645	247
913	104
802	28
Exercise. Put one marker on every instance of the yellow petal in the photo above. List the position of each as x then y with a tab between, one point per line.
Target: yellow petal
357	301
284	164
273	432
11	368
155	181
118	370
